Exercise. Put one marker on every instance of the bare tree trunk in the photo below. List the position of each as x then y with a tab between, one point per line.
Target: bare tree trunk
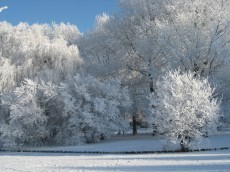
183	146
151	87
134	126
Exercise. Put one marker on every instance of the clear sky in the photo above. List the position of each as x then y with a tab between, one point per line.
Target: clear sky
78	12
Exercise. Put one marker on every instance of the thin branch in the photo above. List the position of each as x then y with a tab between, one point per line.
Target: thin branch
136	70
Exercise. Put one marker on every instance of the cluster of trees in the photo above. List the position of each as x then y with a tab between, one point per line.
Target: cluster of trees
58	83
148	38
47	98
84	111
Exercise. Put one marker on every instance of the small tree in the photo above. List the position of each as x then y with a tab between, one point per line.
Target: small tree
184	108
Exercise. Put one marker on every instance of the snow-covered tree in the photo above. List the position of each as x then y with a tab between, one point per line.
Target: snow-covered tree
129	45
27	119
85	110
198	34
184	108
126	46
197	38
40	51
150	36
98	109
7	75
37	114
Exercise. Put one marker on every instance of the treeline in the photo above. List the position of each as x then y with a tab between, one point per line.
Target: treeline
60	86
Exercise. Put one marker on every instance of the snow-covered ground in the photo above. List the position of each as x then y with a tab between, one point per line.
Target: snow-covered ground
141	142
54	162
35	162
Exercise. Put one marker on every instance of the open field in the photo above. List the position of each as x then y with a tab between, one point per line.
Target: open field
60	162
31	162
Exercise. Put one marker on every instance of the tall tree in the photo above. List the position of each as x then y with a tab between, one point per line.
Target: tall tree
128	48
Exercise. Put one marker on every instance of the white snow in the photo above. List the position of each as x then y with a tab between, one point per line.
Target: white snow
202	161
142	142
209	161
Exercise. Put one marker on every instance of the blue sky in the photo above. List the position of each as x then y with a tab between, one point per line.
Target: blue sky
78	12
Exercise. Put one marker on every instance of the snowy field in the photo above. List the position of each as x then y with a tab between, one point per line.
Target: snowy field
57	162
141	142
31	162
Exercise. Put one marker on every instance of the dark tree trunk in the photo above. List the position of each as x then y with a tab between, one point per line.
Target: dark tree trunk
134	126
154	129
151	85
151	88
183	146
